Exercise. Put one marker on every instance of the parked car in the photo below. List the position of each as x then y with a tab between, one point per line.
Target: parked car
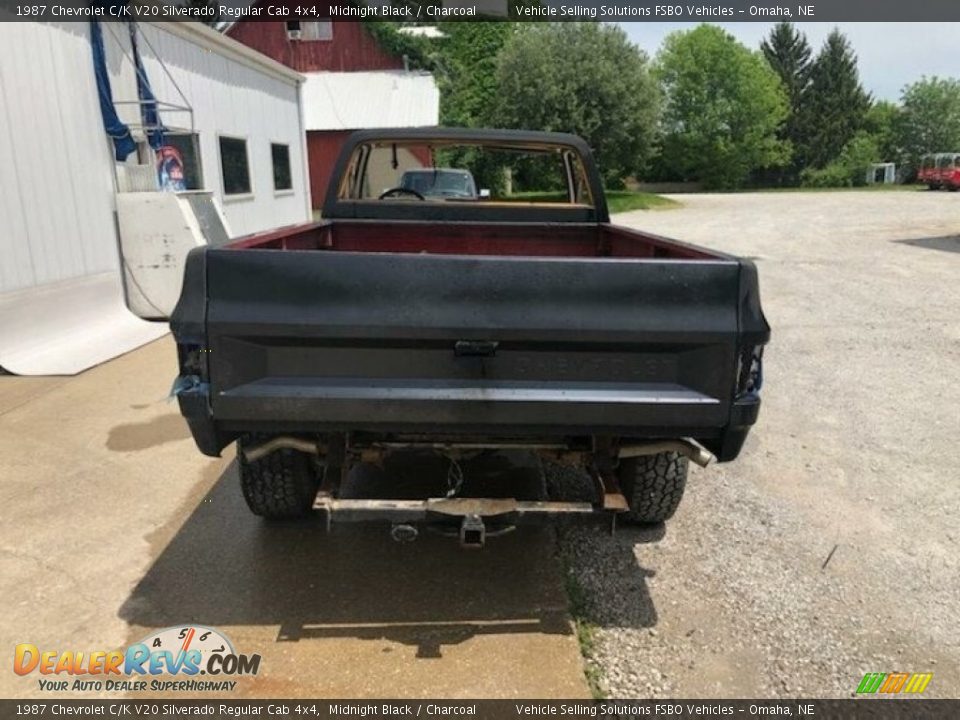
437	183
465	327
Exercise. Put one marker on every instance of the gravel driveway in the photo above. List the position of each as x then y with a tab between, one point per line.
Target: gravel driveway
830	548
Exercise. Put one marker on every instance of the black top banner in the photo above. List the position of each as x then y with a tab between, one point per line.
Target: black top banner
426	11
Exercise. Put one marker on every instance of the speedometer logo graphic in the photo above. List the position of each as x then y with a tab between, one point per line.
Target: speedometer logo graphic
185	638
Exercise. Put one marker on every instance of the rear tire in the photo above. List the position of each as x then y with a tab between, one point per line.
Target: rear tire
653	486
279	486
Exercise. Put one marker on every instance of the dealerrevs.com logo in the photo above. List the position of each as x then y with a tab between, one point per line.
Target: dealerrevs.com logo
185	651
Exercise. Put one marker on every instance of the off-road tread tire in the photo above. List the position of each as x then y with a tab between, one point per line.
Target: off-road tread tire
653	486
280	486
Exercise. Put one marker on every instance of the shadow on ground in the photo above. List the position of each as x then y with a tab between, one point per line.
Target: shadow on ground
225	567
606	584
613	593
946	243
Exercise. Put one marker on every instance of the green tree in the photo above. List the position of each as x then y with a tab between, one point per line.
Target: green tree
463	61
882	122
930	119
834	104
467	70
723	108
788	53
584	78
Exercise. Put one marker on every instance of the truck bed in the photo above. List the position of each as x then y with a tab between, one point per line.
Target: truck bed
464	238
462	329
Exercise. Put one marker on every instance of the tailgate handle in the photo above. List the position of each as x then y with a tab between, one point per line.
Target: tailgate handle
475	348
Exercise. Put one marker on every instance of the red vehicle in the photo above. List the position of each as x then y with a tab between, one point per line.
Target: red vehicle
928	173
949	167
940	170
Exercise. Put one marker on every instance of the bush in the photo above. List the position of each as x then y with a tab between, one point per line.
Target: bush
848	170
832	176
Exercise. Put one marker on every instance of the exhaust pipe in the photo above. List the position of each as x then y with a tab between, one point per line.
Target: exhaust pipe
282	441
404	533
687	448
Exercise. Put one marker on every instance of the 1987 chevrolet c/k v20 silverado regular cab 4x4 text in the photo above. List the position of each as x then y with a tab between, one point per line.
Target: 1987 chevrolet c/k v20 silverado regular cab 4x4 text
516	317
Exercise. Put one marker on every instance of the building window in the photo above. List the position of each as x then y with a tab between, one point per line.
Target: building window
178	162
312	30
234	166
318	30
282	178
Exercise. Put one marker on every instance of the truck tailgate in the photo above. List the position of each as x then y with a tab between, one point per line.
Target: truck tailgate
449	343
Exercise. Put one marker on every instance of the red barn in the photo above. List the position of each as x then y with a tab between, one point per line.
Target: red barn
352	82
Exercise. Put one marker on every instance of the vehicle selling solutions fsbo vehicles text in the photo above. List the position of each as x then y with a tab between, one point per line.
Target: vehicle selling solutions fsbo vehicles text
593	12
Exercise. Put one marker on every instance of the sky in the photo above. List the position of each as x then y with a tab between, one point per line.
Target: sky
890	55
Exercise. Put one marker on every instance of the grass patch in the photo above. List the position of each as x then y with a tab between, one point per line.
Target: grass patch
586	632
617	200
593	675
625	200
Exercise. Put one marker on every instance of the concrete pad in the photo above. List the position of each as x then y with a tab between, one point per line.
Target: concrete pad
115	526
13	394
354	614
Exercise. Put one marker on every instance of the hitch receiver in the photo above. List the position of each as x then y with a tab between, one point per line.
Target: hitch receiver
473	533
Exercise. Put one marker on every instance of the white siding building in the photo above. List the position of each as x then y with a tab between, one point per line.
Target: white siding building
61	290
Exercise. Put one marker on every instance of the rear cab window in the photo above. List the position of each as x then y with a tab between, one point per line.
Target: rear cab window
411	171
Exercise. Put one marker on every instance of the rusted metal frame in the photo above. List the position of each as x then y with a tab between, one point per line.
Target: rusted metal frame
499	510
601	469
608	489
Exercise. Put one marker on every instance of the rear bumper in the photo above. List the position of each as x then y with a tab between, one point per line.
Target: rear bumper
354	404
483	411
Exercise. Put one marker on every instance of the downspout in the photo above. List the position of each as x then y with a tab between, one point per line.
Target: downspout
305	164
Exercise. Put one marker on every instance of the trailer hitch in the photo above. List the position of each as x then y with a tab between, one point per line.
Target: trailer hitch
472	520
473	533
403	532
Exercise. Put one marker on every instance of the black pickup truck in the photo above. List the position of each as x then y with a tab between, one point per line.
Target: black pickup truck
516	318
